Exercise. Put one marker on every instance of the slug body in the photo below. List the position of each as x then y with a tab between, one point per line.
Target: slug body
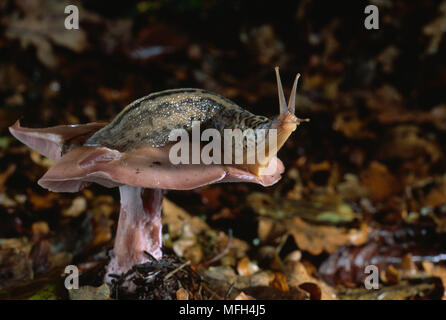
149	120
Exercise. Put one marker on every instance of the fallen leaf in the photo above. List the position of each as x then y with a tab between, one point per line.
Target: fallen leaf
245	267
42	24
90	293
436	29
390	275
42	202
6	174
380	181
243	296
280	282
43	161
182	294
407	290
15	266
176	217
102	232
78	206
40	229
298	275
315	239
436	271
313	289
409	142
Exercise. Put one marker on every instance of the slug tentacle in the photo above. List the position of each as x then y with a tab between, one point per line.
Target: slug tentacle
292	101
282	101
287	110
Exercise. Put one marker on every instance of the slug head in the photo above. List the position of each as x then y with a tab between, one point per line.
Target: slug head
285	123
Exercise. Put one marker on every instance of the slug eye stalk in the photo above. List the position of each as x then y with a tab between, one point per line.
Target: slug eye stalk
286	110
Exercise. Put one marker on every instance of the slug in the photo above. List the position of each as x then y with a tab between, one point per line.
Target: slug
149	120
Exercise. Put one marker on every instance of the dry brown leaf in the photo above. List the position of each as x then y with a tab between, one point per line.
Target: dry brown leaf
221	273
391	275
408	264
316	239
262	278
380	181
265	43
176	217
435	197
409	142
40	229
42	24
268	229
244	296
351	188
436	271
182	294
435	30
43	161
42	202
102	231
268	257
242	267
7	202
14	262
293	256
113	95
78	206
102	205
351	125
387	58
280	282
298	275
181	224
194	254
245	267
6	174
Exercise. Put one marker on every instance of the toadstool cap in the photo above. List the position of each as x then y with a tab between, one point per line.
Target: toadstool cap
147	167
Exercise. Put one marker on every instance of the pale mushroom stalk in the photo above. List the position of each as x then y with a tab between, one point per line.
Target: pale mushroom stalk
139	229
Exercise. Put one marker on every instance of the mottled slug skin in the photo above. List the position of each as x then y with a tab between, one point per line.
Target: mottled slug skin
149	120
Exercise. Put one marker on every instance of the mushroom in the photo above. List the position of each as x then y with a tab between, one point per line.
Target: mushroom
141	174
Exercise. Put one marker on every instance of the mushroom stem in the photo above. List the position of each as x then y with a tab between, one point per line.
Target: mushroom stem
139	229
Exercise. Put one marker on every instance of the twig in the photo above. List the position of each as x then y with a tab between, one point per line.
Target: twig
150	256
230	290
176	270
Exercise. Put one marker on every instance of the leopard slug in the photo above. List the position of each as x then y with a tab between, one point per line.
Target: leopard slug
149	120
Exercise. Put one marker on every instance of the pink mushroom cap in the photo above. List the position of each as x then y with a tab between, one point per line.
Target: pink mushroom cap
146	167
